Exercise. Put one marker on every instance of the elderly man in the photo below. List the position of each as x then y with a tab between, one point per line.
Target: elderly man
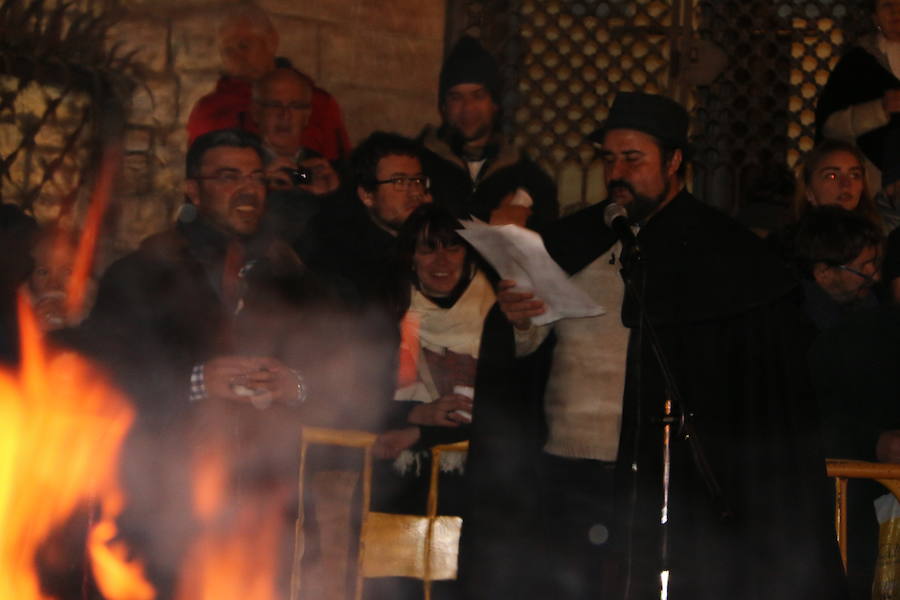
300	180
248	43
745	489
476	170
281	107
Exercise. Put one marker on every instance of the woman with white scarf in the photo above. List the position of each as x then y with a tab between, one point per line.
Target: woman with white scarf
441	336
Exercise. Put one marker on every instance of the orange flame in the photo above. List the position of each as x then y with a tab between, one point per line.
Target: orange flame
87	247
118	576
234	557
61	430
61	427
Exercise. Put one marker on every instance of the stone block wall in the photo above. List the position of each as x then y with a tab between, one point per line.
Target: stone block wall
380	59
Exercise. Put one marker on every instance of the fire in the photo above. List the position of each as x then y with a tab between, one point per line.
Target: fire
84	256
234	556
118	576
61	428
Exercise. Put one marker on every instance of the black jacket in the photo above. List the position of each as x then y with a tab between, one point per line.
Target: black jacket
506	168
728	321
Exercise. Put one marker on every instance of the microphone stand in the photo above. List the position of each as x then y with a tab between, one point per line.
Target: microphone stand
675	412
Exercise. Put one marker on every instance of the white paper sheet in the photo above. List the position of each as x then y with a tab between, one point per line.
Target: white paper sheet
519	254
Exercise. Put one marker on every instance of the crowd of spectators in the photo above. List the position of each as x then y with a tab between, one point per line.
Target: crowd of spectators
332	284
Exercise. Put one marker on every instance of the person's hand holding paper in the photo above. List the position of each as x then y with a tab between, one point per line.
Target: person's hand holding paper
518	254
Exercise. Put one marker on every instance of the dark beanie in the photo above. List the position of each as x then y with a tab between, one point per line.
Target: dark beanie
469	62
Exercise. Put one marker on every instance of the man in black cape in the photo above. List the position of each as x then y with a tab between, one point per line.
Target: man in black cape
728	323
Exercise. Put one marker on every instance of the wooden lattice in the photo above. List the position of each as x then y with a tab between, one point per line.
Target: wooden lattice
574	55
61	95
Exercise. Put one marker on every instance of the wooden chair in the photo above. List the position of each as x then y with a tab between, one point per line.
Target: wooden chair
886	474
390	545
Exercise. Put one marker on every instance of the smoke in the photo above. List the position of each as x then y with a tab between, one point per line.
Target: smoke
347	361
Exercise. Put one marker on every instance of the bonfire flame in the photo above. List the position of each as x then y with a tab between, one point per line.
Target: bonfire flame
87	247
61	427
233	558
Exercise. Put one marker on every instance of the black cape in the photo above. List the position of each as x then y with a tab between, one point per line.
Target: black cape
736	340
729	325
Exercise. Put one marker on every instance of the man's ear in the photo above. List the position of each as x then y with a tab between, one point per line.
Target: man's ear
811	197
192	191
365	196
822	274
674	162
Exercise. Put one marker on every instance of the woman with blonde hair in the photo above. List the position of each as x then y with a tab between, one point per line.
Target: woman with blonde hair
834	174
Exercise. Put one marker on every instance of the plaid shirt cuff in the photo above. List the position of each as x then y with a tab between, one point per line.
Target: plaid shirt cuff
198	387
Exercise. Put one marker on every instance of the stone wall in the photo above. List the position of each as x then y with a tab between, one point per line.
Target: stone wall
380	59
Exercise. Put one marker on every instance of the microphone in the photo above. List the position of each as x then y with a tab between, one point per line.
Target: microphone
616	218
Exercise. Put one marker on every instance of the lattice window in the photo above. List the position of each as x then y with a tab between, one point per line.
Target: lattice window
573	55
60	94
761	110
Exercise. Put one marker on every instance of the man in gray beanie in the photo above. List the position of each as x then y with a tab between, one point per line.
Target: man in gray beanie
473	167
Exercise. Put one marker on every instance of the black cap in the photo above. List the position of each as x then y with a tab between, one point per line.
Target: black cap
469	62
661	117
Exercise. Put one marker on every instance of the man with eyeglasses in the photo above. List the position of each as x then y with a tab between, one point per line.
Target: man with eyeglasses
300	181
248	43
171	307
356	239
853	362
281	107
476	169
838	254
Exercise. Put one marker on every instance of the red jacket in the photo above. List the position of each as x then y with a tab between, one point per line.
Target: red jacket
228	106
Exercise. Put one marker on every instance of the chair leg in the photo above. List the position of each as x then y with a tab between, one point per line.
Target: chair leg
299	542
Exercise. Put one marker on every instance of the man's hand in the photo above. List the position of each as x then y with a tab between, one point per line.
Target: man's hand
391	443
259	379
508	213
518	307
442	412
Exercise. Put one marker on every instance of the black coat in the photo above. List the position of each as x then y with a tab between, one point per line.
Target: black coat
736	342
729	324
855	368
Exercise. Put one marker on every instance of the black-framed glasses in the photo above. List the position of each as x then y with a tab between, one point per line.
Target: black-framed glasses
234	178
402	183
866	278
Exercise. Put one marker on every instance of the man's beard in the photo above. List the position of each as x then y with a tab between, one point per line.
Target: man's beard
641	207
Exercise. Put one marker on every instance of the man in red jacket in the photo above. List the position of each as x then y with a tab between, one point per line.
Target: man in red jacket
248	43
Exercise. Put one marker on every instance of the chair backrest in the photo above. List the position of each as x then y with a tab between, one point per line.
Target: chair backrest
886	474
390	545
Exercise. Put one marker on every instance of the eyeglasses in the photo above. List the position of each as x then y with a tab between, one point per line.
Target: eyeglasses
279	107
867	278
234	178
402	183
